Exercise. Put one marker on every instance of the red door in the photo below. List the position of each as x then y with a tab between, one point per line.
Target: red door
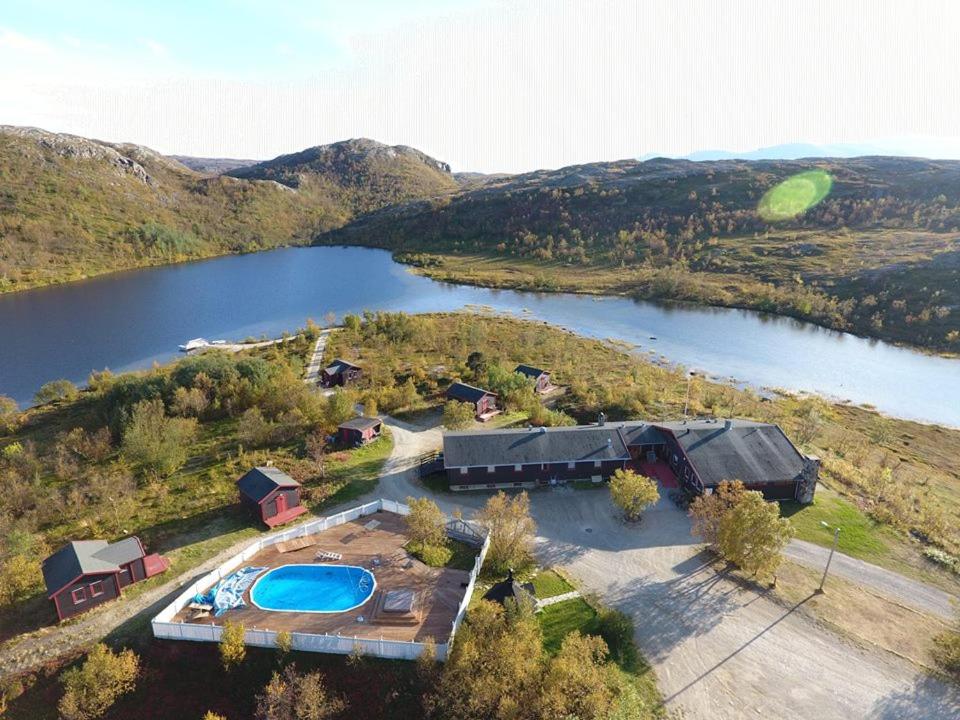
281	504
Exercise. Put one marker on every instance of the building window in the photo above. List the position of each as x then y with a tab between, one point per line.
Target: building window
571	466
490	468
517	468
79	595
463	471
596	463
96	589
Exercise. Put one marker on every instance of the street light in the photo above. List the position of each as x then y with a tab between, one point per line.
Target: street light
836	538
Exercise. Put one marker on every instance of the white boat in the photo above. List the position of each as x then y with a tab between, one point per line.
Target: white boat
194	344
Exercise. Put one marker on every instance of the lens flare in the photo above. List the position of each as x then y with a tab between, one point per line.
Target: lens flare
795	195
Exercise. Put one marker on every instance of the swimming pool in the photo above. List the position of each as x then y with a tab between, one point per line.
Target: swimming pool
313	588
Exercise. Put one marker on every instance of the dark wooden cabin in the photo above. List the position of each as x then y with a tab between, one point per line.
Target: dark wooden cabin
540	378
86	573
484	402
512	458
272	496
359	431
340	373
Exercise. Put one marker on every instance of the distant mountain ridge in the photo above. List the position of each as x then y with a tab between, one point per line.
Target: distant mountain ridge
212	166
798	151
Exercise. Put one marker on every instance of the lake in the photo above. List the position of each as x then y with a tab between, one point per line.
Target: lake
129	320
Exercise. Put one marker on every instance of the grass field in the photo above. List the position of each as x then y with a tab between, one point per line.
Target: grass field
795	195
548	583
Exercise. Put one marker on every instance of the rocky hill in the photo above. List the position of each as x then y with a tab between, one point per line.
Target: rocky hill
72	207
361	173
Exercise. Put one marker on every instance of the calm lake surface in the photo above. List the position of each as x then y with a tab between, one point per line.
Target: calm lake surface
129	320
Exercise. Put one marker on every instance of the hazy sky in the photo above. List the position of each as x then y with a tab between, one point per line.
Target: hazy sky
485	85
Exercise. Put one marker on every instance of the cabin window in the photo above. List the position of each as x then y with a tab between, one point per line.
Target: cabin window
96	589
79	595
491	468
596	463
571	466
463	471
517	468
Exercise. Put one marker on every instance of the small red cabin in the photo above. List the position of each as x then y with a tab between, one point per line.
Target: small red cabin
85	573
483	401
340	373
359	431
540	378
272	496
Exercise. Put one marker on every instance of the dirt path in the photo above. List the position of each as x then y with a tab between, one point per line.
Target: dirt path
907	591
313	368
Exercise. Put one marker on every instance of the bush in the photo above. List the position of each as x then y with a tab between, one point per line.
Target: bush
458	415
55	390
156	442
233	647
633	493
92	688
434	555
616	629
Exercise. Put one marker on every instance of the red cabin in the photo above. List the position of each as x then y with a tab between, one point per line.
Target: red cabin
540	378
272	496
484	402
86	573
359	431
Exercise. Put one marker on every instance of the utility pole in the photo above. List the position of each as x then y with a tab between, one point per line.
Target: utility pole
836	539
686	403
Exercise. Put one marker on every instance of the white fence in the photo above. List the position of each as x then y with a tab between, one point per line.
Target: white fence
164	626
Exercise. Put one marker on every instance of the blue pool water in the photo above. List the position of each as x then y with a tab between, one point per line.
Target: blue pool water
313	588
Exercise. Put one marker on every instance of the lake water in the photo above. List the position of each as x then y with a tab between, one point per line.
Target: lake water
131	319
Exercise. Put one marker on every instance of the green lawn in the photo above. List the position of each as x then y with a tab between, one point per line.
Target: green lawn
548	583
558	621
860	536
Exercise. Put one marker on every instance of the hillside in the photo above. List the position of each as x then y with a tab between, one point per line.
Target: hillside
879	255
362	174
71	207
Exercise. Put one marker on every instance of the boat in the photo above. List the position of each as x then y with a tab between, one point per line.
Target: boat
194	344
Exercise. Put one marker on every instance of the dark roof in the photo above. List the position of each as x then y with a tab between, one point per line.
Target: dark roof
361	423
529	371
756	453
467	393
261	481
87	557
338	366
534	445
636	432
510	588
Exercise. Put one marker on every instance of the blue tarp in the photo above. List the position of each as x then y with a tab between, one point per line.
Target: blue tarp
228	593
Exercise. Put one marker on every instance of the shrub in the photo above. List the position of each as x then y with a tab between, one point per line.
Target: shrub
434	555
284	642
156	442
458	415
426	524
92	688
633	493
616	629
55	390
292	696
233	647
511	531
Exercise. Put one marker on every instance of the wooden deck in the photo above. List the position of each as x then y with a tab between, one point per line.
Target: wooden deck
439	590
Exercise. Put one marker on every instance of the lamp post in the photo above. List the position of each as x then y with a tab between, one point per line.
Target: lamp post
836	538
686	403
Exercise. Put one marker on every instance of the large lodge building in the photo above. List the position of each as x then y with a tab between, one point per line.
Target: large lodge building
694	454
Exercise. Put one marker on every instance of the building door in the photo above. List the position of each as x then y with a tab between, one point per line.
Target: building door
281	504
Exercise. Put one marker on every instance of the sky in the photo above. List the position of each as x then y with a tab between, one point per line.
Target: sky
486	85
